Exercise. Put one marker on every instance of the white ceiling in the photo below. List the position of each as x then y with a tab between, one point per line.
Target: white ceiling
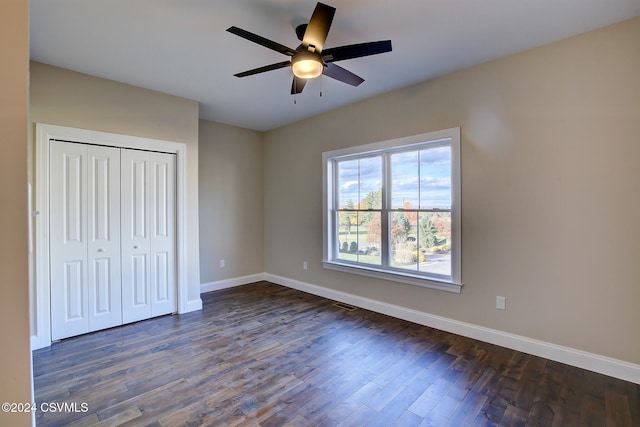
180	47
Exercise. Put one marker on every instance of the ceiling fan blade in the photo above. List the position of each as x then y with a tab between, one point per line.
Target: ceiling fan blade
261	41
297	85
341	53
318	27
336	72
263	69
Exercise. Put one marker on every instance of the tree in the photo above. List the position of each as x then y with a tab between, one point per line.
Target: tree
373	200
400	227
427	232
348	218
442	222
374	228
411	214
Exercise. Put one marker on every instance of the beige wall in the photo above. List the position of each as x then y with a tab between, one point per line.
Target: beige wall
15	357
231	201
551	208
66	98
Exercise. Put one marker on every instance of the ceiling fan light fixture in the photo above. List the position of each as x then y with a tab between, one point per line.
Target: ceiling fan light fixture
307	65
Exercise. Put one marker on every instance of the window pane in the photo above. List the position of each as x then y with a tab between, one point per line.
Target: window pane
405	176
347	235
347	183
359	237
435	178
360	183
370	238
434	241
404	240
371	183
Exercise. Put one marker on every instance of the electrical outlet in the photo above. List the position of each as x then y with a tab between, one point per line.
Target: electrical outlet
501	303
304	265
221	263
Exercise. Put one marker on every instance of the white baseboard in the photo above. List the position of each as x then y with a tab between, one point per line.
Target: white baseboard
192	305
38	342
230	283
581	359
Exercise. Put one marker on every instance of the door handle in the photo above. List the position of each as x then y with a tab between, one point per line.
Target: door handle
100	250
135	246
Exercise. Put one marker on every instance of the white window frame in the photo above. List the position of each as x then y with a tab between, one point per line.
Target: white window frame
451	137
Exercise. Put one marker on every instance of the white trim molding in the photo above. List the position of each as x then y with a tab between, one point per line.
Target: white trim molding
593	362
230	283
192	305
383	151
46	132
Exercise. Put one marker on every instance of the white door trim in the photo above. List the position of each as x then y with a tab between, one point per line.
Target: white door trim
46	132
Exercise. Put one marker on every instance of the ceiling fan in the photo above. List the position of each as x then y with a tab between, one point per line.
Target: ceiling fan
310	59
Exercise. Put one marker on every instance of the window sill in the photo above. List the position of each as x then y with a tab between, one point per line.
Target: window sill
408	278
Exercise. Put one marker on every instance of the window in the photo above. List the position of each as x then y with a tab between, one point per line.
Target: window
392	210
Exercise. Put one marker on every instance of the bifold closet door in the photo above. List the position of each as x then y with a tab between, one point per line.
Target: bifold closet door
148	234
84	238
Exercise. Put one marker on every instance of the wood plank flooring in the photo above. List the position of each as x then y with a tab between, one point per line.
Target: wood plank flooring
265	355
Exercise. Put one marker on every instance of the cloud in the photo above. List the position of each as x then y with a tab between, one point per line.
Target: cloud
349	184
436	156
431	183
411	182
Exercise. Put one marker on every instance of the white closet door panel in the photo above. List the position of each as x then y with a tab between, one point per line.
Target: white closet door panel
68	240
135	239
103	303
139	280
113	236
163	230
74	293
103	212
161	272
139	200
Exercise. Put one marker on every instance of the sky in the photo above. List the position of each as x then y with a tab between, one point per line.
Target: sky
422	178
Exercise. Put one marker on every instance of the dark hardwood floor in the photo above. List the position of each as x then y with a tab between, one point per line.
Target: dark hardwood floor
263	354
